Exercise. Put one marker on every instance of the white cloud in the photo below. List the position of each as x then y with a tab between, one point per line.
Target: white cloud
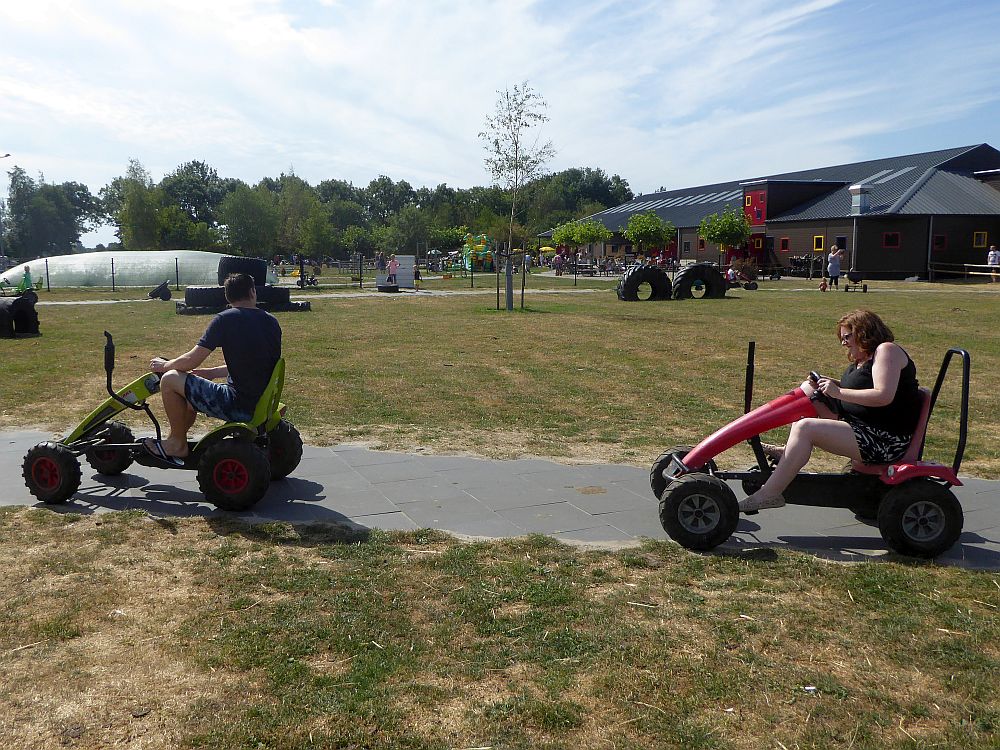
674	93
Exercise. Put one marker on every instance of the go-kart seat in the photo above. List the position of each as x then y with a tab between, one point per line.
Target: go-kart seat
912	454
269	406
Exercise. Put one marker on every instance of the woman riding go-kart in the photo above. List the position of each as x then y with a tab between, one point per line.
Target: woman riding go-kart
876	415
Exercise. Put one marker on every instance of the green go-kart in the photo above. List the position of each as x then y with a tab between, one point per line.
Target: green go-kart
235	461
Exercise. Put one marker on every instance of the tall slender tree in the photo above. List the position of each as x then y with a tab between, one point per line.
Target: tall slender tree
514	153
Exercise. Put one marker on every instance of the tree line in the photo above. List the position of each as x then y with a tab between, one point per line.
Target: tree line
193	208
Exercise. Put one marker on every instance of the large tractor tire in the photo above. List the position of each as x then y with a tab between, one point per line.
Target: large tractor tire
273	295
51	472
112	461
205	296
920	518
234	474
644	284
284	449
255	267
699	281
699	511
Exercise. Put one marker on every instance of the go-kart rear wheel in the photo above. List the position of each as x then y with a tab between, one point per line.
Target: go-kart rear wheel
112	461
284	449
234	474
657	482
920	518
51	472
699	511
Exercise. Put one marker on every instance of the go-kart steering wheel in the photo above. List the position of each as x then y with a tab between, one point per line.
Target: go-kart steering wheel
818	395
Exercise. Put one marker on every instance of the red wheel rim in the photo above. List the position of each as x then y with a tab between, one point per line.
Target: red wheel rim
45	473
231	476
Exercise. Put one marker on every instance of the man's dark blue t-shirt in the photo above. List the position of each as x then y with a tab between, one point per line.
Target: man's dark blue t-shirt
251	345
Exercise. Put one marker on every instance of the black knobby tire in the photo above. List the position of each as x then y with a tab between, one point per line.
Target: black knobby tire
234	474
284	449
51	472
205	296
273	295
656	481
920	518
699	511
255	267
750	286
703	276
112	461
631	285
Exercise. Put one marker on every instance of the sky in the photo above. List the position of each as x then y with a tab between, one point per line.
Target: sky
670	93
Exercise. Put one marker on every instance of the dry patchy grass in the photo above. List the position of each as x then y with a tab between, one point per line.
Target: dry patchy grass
204	633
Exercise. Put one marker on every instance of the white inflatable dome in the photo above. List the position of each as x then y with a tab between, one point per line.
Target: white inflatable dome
131	268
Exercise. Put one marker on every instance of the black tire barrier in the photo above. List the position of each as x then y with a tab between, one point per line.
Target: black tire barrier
699	276
304	306
634	277
273	295
18	316
256	267
205	296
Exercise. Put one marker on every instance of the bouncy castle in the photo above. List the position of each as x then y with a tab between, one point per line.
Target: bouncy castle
477	253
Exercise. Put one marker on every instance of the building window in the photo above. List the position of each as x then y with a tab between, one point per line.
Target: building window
748	200
758	243
786	244
817	242
701	244
940	241
687	248
757	214
890	240
979	239
760	197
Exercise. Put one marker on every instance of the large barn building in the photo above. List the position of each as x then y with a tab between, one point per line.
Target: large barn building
895	217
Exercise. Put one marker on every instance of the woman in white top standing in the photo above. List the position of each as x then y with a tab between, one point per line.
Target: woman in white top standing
833	266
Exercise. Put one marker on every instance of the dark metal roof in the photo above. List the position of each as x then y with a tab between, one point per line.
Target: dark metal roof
938	182
953	193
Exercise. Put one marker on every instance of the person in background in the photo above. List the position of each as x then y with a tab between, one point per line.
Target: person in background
391	269
993	260
833	266
26	279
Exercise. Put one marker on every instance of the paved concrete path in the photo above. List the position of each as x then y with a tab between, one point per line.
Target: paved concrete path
602	504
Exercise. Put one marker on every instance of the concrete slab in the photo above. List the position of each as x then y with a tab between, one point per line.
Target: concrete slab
599	504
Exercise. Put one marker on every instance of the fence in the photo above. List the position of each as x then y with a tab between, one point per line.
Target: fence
965	270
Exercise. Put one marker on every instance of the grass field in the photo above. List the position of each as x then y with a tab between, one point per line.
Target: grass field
125	630
573	376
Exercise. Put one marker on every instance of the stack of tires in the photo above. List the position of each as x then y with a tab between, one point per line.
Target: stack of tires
649	283
201	300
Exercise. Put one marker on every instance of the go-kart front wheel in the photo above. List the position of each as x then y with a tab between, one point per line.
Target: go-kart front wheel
112	461
657	482
51	472
284	449
234	474
920	518
699	511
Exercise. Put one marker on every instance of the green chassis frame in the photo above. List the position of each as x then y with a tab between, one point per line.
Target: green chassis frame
89	433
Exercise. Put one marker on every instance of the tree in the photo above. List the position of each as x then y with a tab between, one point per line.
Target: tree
252	219
648	229
589	231
197	189
409	226
317	234
357	240
513	158
731	228
444	239
385	198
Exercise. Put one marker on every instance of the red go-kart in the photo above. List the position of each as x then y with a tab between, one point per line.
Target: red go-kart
916	511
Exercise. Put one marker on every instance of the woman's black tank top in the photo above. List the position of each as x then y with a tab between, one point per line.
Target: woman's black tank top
899	417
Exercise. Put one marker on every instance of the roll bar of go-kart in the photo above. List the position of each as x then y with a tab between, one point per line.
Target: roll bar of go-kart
963	424
109	366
